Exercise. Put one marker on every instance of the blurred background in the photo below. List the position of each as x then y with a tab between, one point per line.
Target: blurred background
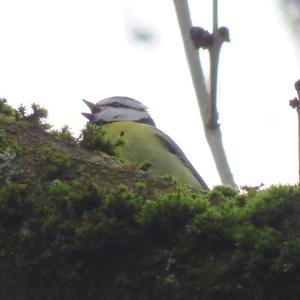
57	52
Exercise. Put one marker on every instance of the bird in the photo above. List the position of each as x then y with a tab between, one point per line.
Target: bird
120	115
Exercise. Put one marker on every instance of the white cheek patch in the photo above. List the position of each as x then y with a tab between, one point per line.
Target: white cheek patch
120	114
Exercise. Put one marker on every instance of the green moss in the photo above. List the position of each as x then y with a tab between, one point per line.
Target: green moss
117	244
35	118
6	111
94	137
54	163
64	134
6	143
13	205
3	140
72	227
8	152
145	165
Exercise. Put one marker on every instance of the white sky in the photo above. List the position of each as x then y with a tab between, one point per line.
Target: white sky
56	52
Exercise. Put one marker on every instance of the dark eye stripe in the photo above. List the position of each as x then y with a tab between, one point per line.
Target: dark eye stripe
122	102
118	104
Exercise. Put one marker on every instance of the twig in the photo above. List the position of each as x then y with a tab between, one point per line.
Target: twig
295	103
214	54
213	133
298	114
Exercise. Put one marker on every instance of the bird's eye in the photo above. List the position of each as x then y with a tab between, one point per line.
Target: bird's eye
96	109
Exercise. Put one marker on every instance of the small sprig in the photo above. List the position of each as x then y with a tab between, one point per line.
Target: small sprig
22	111
252	189
193	39
37	116
202	39
38	113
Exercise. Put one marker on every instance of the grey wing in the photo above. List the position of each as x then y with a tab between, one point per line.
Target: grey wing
174	148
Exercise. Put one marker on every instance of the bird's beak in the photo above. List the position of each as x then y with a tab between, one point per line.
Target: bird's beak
91	106
90	117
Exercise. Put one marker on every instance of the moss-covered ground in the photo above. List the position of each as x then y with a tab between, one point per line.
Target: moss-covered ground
79	224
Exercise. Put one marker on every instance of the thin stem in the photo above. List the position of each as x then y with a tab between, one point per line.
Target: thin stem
215	16
213	135
297	105
298	114
214	55
185	24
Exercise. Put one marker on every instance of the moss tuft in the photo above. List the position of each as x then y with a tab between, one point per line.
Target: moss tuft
94	137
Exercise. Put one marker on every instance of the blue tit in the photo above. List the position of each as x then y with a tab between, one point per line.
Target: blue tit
144	142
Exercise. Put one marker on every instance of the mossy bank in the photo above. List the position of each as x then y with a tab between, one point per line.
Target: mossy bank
79	224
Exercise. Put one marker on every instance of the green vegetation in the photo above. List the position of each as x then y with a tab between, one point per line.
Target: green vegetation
3	140
85	242
36	117
55	164
64	134
6	110
94	137
77	225
8	152
145	165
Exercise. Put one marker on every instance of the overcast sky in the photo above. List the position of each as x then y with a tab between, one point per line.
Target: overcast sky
57	52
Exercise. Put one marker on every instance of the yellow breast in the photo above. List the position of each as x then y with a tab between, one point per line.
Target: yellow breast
142	144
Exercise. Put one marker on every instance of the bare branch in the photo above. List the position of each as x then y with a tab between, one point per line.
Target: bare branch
215	16
295	103
220	35
213	134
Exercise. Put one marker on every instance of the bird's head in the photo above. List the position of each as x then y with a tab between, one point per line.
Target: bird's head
114	109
